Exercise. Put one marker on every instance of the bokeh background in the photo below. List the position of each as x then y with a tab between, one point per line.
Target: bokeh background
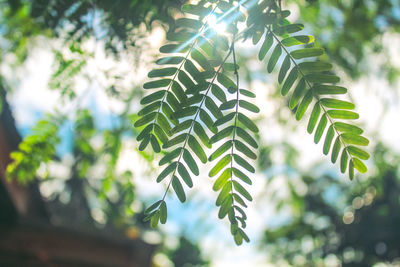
71	75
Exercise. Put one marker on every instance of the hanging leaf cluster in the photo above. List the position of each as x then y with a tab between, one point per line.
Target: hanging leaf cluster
194	102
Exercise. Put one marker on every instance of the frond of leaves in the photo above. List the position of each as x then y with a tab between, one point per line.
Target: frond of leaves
36	148
314	84
177	113
194	96
232	163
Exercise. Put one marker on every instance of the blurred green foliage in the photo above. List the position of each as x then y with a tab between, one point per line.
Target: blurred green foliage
36	149
336	224
352	31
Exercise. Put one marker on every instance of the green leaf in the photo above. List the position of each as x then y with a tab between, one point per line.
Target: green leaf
163	212
242	162
291	28
298	40
328	140
257	36
324	89
315	66
240	210
343	114
225	119
178	91
239	174
239	200
149	108
160	134
180	36
173	102
228	105
222	179
145	119
166	171
173	48
144	143
220	165
297	93
354	139
247	93
170	156
155	219
238	187
230	66
185	80
185	112
208	121
194	72
336	103
194	99
224	193
238	239
244	149
322	78
307	52
176	140
359	165
268	41
198	129
249	106
162	72
284	69
336	149
225	207
227	82
182	126
201	59
221	134
185	175
153	140
357	152
177	186
320	128
244	236
152	97
348	128
145	132
343	161
314	118
289	81
351	170
195	10
157	84
169	60
218	93
246	137
209	49
164	124
222	149
304	105
187	157
152	207
247	122
211	106
188	23
169	112
276	53
197	149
